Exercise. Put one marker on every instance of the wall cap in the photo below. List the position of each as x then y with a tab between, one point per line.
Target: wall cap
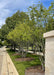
48	34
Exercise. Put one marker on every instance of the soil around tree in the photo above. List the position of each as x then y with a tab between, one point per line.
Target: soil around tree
16	54
34	70
25	59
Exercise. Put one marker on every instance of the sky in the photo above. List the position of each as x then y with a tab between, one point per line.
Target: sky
9	7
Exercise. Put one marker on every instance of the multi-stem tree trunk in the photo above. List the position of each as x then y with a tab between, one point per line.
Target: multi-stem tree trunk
42	60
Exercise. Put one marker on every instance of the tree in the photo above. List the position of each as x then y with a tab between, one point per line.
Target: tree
50	25
38	16
16	18
4	31
21	35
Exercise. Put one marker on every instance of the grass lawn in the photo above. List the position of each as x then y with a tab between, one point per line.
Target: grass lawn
22	65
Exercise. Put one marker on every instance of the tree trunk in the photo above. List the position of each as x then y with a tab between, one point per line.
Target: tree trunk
11	47
41	59
35	49
27	46
19	48
14	47
22	54
32	46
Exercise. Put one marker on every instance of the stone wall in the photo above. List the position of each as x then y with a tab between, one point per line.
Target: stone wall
49	53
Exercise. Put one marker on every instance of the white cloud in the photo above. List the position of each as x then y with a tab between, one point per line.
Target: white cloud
3	12
3	3
8	7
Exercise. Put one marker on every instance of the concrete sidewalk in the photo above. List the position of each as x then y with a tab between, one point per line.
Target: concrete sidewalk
8	67
1	60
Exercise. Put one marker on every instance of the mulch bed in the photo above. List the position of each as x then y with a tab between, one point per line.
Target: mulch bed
16	54
34	70
25	59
